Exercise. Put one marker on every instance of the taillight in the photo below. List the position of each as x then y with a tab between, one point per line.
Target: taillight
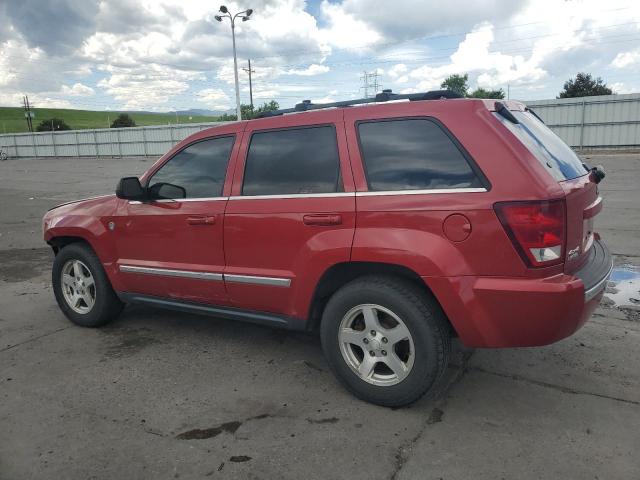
536	228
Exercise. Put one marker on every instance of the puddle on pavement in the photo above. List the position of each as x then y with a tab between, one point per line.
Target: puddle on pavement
624	286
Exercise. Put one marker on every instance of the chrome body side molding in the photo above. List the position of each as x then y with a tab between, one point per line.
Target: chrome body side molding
167	272
433	191
272	281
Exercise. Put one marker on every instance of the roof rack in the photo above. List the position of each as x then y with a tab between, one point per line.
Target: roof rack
385	96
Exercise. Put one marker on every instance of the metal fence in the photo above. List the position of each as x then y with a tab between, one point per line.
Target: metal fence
104	142
609	121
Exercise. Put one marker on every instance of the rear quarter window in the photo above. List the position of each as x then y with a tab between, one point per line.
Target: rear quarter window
413	154
549	149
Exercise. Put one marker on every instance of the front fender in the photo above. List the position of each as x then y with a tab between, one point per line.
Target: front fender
88	221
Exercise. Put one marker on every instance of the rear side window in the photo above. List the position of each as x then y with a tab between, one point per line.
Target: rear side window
200	168
293	161
549	149
412	154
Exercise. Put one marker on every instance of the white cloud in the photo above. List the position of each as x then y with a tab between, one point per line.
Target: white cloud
148	88
621	87
345	31
626	59
36	100
157	54
313	69
409	19
214	98
78	90
397	70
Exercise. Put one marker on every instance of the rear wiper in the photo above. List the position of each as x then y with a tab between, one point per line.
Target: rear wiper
527	109
503	111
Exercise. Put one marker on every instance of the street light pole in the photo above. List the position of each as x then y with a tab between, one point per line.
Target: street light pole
235	69
244	15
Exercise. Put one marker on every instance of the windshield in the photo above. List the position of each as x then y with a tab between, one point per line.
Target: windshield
555	155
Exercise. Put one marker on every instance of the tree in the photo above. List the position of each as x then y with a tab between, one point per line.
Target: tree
248	112
584	85
268	107
53	124
123	120
457	83
482	93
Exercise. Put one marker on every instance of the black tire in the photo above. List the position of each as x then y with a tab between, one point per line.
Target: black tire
422	316
107	305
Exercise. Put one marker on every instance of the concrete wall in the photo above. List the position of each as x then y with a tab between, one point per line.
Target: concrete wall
104	142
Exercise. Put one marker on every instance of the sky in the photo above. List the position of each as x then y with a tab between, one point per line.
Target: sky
164	55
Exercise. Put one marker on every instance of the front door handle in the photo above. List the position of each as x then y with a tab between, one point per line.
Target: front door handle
323	219
201	220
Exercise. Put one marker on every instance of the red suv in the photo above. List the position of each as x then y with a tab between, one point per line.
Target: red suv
388	227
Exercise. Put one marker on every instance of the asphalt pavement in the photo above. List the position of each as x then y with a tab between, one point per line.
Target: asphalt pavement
161	395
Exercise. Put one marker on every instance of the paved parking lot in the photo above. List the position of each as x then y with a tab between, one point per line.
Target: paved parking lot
161	395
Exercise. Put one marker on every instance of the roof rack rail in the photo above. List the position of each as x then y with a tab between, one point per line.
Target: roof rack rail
384	96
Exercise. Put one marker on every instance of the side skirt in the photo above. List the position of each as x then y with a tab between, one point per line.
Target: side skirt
230	313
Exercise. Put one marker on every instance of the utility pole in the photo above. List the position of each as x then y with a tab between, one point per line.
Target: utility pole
30	114
249	71
27	112
370	83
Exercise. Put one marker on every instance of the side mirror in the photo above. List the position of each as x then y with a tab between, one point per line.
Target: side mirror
166	191
129	188
597	174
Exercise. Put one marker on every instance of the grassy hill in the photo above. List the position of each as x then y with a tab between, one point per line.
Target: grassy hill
12	118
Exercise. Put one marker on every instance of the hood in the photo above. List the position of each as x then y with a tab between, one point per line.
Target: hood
87	201
94	207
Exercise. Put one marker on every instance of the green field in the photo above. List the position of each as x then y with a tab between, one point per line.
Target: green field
12	118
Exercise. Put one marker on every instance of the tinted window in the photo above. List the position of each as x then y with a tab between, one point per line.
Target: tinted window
413	154
546	146
200	168
303	160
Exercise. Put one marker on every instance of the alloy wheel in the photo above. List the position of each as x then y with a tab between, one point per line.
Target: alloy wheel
78	286
376	344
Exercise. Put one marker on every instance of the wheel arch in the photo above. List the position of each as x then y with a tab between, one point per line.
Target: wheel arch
59	242
340	274
57	239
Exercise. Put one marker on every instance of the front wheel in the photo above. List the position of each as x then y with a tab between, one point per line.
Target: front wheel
82	288
385	339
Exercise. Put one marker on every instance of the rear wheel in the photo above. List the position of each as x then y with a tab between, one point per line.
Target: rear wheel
385	339
81	287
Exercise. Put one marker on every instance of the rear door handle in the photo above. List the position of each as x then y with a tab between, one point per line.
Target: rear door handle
201	220
322	219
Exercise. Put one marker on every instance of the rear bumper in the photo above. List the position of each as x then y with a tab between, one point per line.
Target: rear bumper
517	312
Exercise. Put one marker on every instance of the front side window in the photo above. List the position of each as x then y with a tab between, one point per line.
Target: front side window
293	161
412	154
199	169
